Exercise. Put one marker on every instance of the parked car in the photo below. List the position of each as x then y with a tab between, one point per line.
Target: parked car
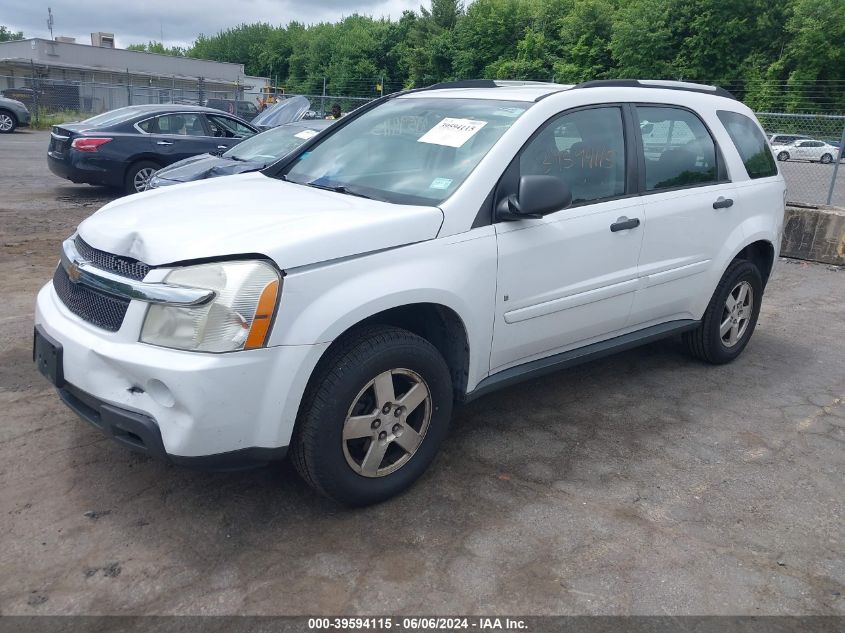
785	139
284	111
427	249
13	114
811	150
245	110
252	154
125	147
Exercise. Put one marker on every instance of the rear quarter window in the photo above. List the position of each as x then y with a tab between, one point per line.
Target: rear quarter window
750	144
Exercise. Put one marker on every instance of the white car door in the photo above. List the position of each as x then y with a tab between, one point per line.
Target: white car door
690	208
569	276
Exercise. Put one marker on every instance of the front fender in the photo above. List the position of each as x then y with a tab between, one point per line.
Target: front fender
321	302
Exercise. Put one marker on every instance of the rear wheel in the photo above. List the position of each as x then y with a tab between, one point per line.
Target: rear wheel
8	122
783	156
373	416
827	158
730	317
139	175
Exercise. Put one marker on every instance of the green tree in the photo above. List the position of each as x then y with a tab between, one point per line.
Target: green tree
157	47
775	54
642	43
585	30
7	35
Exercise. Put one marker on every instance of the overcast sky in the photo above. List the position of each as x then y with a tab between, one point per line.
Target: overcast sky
180	21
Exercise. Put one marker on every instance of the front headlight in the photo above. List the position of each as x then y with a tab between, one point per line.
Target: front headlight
239	316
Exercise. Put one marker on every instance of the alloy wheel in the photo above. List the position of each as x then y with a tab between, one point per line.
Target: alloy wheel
6	123
142	178
736	314
387	422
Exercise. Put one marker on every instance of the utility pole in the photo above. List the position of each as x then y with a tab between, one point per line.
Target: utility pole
50	21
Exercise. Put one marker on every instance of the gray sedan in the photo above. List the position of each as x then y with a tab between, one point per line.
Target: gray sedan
13	114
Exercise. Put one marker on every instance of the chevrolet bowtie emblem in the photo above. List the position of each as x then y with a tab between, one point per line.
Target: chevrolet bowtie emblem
73	272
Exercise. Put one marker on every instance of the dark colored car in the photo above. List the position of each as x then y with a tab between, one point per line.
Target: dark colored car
245	110
125	147
253	154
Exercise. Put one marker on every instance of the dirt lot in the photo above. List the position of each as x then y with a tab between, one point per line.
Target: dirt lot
646	483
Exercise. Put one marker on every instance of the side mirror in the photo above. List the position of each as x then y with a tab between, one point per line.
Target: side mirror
538	196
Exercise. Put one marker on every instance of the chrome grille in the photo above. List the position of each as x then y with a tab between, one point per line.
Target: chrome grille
100	309
125	266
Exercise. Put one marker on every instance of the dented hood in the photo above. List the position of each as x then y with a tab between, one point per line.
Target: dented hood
293	224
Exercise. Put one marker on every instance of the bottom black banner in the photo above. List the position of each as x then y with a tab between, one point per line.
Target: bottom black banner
432	624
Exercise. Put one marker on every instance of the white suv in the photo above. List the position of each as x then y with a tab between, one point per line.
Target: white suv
426	249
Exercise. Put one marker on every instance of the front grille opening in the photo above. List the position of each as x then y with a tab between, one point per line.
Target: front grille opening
125	266
99	309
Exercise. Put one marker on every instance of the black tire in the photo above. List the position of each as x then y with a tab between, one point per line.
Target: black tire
826	159
129	182
782	156
8	122
318	447
705	342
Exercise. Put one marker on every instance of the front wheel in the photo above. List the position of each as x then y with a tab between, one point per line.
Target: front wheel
827	159
373	416
8	122
731	315
783	156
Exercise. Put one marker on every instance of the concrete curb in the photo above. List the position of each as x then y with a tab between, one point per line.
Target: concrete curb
814	233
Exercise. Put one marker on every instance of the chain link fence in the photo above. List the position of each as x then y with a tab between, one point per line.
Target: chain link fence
809	148
48	97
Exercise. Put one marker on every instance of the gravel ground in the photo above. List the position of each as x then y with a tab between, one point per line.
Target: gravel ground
646	483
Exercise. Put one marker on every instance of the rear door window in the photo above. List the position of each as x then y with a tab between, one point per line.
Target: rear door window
750	144
183	124
679	150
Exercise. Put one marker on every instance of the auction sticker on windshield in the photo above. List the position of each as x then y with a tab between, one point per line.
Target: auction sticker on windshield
306	134
452	132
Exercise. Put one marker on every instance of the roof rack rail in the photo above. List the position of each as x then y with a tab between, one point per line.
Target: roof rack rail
485	83
657	83
463	83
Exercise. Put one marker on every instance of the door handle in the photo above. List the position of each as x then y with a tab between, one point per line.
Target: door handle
222	147
723	203
624	223
165	143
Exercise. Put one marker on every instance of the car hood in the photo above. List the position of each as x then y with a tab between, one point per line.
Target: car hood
252	213
206	166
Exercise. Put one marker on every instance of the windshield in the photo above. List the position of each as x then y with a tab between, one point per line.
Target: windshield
272	144
409	151
112	117
283	112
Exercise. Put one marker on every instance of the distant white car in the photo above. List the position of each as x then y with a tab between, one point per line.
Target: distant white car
786	139
811	150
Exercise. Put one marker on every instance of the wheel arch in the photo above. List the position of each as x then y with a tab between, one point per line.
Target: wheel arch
134	160
762	254
437	323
